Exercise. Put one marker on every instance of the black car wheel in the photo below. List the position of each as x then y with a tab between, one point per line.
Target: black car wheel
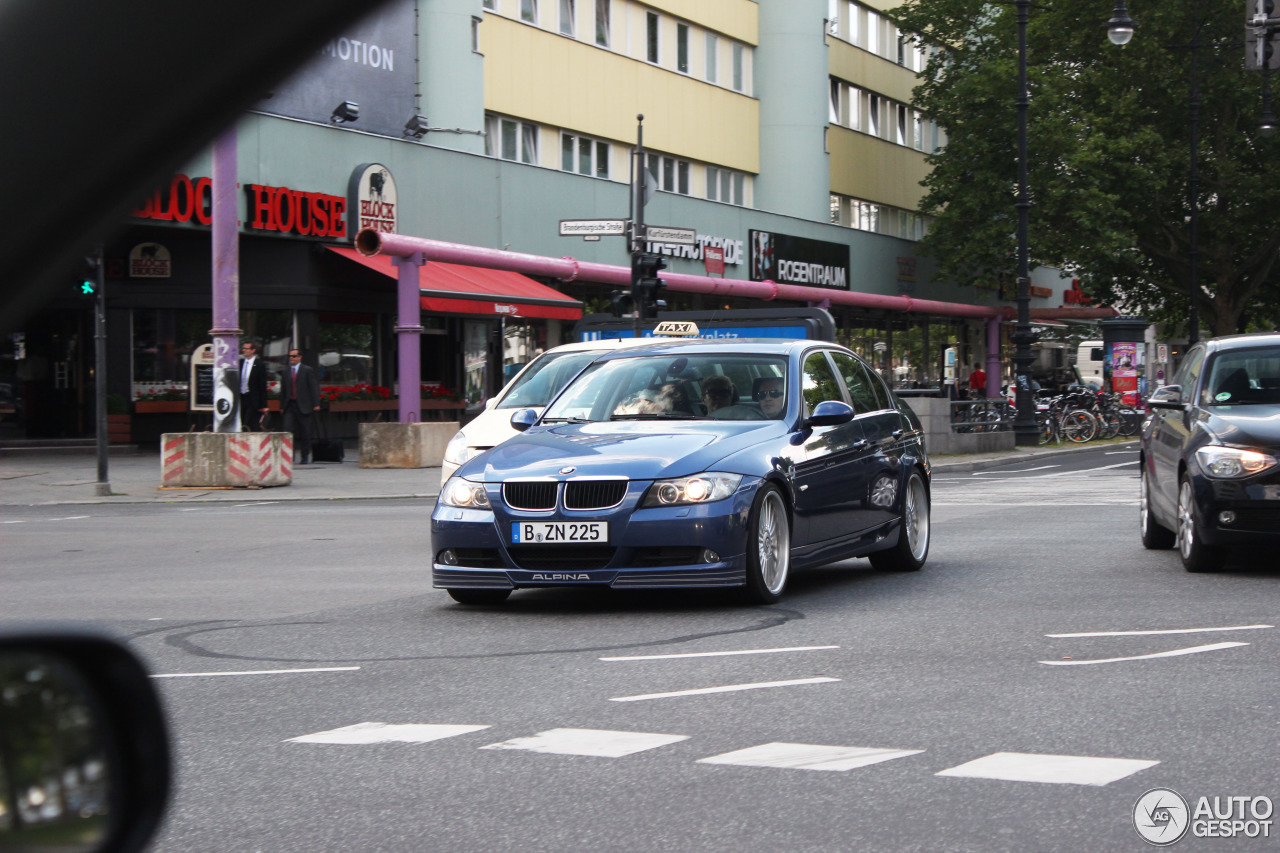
913	536
1155	536
479	596
1196	556
768	547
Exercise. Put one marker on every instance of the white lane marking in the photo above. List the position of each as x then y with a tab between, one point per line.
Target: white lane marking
1118	452
723	654
366	733
1057	769
1018	471
257	672
806	756
1168	631
598	743
14	522
1085	471
70	518
257	503
728	688
1188	651
192	509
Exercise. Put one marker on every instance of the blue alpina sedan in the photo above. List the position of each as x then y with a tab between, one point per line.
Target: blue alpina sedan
691	463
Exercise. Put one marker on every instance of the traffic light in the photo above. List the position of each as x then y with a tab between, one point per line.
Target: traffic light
90	282
646	287
623	302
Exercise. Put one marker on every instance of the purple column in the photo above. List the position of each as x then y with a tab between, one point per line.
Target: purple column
226	330
409	331
993	356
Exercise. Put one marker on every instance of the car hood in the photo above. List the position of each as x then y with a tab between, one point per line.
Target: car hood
492	427
1250	425
639	450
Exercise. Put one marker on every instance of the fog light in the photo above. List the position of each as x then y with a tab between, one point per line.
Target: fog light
449	557
709	556
1226	517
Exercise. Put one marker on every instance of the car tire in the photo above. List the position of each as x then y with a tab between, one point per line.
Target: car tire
912	548
1155	536
479	596
1196	556
768	547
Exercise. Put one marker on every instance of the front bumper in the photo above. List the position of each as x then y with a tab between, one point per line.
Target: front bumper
1252	505
655	548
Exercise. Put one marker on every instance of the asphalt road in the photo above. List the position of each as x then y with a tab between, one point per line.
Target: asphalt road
1017	694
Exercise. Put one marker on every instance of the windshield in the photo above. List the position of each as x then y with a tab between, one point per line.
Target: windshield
721	386
1243	377
543	379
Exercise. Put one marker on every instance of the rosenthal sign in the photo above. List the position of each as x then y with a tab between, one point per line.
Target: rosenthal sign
798	260
373	198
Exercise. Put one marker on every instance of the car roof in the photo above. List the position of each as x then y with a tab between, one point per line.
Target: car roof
600	344
1227	342
698	346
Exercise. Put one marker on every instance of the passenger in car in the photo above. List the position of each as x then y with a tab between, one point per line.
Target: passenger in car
769	393
718	392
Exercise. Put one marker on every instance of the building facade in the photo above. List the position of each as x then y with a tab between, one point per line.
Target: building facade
781	131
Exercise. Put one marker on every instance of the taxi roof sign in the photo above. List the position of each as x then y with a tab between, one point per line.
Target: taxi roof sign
675	329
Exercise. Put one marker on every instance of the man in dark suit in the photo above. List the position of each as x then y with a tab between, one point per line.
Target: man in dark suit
300	397
253	388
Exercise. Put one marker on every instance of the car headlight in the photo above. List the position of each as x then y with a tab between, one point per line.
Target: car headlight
464	493
698	489
1226	462
456	451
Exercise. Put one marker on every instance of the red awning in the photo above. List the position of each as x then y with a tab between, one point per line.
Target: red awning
458	289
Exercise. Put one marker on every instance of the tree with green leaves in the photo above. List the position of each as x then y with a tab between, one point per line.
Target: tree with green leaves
1109	154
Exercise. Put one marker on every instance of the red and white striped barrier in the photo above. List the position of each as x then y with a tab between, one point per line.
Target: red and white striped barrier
226	460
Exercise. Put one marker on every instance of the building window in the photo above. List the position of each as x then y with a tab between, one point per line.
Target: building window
475	35
855	108
873	32
510	139
713	54
727	186
902	126
917	131
671	174
833	113
682	48
874	114
833	17
738	76
584	155
529	11
491	4
567	26
602	22
854	17
651	37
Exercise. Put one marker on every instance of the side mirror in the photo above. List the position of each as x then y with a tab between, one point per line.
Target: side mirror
1167	397
522	419
830	413
83	743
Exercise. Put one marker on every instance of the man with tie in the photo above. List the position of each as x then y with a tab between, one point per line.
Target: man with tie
253	388
300	397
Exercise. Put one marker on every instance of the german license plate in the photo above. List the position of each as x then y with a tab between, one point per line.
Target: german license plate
1271	493
559	532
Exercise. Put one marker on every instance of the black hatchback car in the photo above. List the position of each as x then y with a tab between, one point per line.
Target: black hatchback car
1211	452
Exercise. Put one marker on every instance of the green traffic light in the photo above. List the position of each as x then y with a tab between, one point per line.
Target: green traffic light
88	288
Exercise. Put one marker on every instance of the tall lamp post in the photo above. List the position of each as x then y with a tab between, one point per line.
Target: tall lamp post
1024	424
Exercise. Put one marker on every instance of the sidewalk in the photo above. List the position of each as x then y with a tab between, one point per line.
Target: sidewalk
72	478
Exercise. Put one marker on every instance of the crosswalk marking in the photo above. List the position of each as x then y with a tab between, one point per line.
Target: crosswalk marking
1054	769
807	756
600	743
367	733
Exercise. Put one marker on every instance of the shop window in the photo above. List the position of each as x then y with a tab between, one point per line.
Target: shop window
475	362
346	351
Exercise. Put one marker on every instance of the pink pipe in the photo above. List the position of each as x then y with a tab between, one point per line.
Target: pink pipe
370	242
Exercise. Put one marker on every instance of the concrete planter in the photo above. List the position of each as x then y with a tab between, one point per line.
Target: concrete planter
935	417
225	460
412	445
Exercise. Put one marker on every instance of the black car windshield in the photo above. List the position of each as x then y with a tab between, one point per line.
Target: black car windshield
720	386
1242	377
545	377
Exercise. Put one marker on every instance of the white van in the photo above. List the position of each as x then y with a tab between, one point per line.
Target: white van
531	388
1089	362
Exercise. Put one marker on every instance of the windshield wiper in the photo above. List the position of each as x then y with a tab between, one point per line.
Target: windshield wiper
573	420
656	416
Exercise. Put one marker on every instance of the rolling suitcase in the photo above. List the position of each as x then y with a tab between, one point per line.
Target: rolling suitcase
325	449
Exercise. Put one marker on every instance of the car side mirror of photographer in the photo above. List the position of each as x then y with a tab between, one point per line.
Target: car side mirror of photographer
1167	397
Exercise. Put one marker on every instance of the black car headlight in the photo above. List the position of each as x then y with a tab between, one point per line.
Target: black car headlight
464	493
698	489
1230	462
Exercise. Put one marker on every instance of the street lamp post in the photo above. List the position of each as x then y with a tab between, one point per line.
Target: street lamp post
1024	424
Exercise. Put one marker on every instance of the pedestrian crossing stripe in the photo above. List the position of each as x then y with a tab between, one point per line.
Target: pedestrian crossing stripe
805	756
605	743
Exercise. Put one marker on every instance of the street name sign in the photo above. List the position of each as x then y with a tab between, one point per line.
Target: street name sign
593	227
663	234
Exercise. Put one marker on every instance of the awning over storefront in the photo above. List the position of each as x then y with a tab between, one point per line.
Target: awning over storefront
458	289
